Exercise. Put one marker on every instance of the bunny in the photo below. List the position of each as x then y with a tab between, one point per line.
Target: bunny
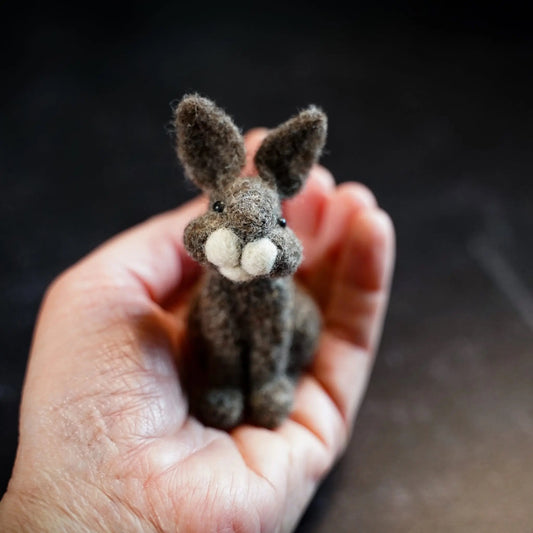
255	327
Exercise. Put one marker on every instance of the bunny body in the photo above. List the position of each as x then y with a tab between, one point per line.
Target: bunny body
256	328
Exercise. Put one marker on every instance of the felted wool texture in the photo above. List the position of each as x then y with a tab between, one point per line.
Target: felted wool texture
254	330
258	257
222	248
288	152
251	208
249	330
209	145
251	211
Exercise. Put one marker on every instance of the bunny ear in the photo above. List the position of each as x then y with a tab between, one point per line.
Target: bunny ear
288	152
209	145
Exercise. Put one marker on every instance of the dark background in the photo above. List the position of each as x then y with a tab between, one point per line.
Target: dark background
430	107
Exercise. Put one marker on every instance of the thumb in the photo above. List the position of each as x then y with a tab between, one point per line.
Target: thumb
102	332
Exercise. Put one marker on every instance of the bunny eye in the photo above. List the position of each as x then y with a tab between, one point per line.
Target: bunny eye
282	222
218	207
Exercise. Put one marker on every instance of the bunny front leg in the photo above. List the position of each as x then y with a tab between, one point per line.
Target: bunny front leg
271	392
271	398
222	402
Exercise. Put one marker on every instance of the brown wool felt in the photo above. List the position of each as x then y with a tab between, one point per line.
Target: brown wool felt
253	333
208	143
288	152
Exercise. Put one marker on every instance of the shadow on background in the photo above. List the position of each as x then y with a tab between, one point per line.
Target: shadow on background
430	108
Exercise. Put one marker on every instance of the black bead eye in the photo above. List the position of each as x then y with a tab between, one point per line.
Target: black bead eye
282	222
218	207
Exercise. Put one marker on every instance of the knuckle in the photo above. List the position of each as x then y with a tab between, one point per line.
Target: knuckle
359	193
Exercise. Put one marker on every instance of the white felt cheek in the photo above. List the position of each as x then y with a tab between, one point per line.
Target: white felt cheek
222	248
258	257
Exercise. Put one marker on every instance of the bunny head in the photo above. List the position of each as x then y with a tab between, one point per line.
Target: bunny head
244	235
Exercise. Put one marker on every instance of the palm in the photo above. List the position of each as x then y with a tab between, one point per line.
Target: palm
110	406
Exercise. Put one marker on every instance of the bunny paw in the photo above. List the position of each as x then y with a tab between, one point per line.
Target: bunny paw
272	403
222	408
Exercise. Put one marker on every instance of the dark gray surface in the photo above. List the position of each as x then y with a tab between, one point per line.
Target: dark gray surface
433	111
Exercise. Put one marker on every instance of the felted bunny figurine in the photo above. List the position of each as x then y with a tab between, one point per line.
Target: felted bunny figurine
255	327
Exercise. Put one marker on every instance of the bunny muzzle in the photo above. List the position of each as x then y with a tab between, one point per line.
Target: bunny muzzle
237	261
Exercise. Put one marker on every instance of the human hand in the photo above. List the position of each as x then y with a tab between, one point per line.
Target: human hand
106	442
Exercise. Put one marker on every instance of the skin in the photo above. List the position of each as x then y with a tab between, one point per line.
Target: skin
106	442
